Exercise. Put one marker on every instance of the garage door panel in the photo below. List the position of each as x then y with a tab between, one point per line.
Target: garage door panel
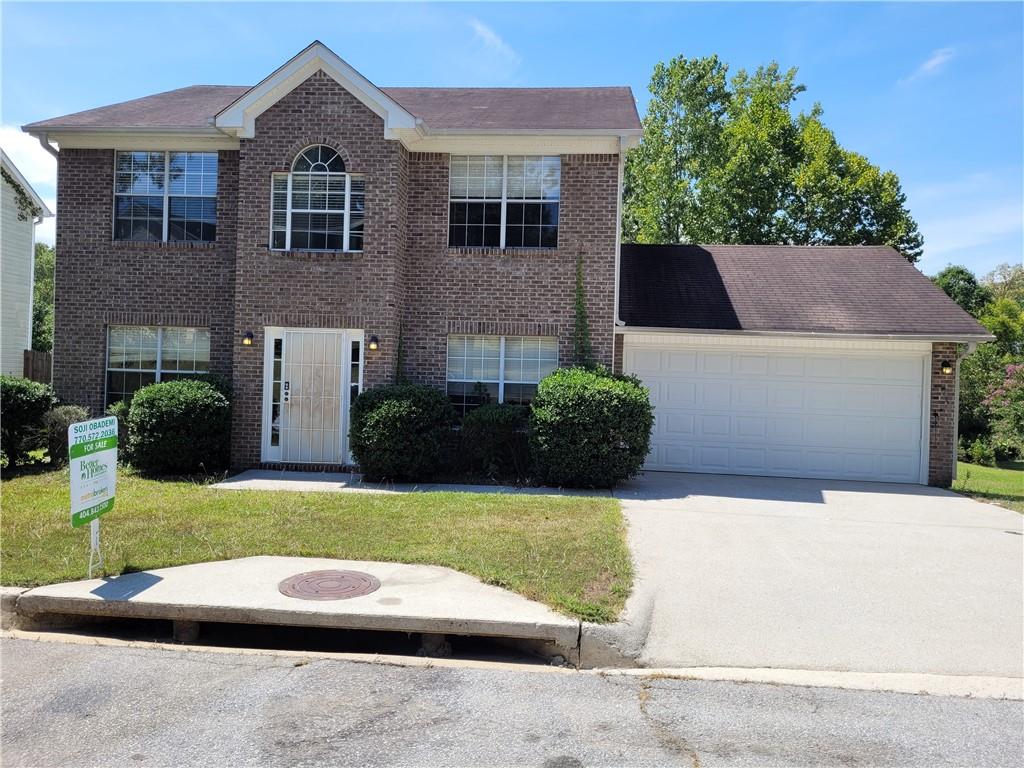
776	412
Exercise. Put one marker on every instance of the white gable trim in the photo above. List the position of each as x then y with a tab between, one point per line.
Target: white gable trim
239	117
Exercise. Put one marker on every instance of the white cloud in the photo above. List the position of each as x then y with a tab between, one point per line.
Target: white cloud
493	43
38	167
933	65
967	236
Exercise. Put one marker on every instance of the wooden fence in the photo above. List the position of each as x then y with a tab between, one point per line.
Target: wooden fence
38	365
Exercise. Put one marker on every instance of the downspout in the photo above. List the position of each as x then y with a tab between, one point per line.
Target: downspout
618	230
44	142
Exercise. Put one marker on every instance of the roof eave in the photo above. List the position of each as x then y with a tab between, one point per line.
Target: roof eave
965	338
34	129
44	209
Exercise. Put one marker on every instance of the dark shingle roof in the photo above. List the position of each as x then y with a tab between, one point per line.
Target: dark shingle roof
799	289
439	108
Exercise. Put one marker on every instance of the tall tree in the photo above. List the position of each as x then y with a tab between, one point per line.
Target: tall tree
729	160
42	298
1006	282
960	284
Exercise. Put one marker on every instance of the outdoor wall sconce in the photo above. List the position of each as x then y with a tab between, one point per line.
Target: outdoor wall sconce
947	367
374	343
247	339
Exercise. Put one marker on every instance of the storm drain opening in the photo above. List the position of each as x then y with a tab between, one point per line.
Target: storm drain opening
329	585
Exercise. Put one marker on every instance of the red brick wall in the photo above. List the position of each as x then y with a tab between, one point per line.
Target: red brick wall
515	291
100	281
942	416
315	290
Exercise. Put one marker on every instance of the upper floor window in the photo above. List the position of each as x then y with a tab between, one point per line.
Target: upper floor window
317	206
168	196
504	202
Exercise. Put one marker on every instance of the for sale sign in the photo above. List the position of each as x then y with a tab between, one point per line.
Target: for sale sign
92	451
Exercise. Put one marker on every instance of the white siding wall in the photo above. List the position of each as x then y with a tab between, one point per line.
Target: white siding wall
15	284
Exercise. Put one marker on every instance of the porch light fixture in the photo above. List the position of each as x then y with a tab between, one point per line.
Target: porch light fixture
947	367
247	339
374	343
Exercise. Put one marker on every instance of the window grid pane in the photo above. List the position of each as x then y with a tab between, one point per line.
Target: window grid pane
140	205
132	357
532	188
474	374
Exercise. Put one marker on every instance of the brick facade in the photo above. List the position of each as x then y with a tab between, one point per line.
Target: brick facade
405	281
942	416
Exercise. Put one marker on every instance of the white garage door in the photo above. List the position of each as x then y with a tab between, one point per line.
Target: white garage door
784	407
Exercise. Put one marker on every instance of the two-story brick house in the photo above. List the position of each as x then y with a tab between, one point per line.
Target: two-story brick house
309	236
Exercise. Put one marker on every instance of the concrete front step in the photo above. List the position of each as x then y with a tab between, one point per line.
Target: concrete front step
412	598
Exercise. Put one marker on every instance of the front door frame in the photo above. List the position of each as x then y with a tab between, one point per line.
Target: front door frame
273	454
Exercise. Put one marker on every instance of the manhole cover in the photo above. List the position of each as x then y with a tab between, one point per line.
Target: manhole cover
329	585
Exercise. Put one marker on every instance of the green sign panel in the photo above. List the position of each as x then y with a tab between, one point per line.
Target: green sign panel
92	451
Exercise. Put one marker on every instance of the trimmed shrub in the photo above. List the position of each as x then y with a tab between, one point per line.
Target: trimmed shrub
56	422
24	404
398	432
589	429
178	427
494	442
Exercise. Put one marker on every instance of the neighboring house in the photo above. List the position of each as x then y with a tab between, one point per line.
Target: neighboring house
295	235
21	209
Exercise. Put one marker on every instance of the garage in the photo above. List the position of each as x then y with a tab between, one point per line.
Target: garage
790	408
830	362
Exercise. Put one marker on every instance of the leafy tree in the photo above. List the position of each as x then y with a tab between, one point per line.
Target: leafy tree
42	298
960	284
728	160
1004	318
980	372
1006	282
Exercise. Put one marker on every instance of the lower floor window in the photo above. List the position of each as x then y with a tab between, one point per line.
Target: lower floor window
497	369
138	355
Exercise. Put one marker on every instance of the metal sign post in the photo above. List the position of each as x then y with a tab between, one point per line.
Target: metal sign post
92	454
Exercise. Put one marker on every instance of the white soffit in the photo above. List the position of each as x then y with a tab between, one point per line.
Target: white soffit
239	118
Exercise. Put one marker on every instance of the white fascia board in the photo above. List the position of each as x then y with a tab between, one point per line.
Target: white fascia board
155	140
12	169
925	337
239	117
510	143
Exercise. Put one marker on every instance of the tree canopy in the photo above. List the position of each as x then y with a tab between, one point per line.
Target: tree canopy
42	298
960	284
728	160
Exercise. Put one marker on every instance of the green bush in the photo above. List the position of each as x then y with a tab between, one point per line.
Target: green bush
589	428
178	427
399	432
493	439
24	403
1006	402
56	423
980	452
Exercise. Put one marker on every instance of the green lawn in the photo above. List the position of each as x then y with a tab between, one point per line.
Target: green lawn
1003	485
569	552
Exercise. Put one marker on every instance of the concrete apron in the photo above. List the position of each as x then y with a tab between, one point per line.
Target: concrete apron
429	600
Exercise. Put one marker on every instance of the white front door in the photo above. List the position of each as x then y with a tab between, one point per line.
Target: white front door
310	378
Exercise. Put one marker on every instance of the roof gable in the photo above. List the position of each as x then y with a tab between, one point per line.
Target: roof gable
239	117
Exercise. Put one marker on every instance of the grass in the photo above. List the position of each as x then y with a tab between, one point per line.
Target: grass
567	551
1003	485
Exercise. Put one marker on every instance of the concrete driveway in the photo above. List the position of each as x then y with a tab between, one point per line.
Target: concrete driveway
809	574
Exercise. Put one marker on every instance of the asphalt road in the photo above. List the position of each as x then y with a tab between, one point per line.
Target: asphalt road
77	705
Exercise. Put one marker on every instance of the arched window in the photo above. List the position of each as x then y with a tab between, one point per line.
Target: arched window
317	206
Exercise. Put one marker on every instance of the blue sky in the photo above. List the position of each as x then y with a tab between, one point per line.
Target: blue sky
931	91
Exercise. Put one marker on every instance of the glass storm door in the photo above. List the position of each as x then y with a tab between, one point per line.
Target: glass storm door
310	379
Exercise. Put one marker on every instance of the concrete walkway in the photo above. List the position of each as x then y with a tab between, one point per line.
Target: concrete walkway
349	482
411	598
823	575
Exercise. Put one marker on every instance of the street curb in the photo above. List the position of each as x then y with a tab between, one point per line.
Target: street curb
9	606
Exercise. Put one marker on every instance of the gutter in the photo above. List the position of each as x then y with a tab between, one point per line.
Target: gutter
970	339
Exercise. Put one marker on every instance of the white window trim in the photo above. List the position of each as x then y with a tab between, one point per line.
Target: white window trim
166	195
501	363
346	212
159	355
504	202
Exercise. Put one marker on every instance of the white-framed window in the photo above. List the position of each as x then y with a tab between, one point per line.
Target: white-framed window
138	355
165	196
497	369
497	201
317	206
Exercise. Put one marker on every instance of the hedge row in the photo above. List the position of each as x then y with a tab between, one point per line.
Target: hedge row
585	428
